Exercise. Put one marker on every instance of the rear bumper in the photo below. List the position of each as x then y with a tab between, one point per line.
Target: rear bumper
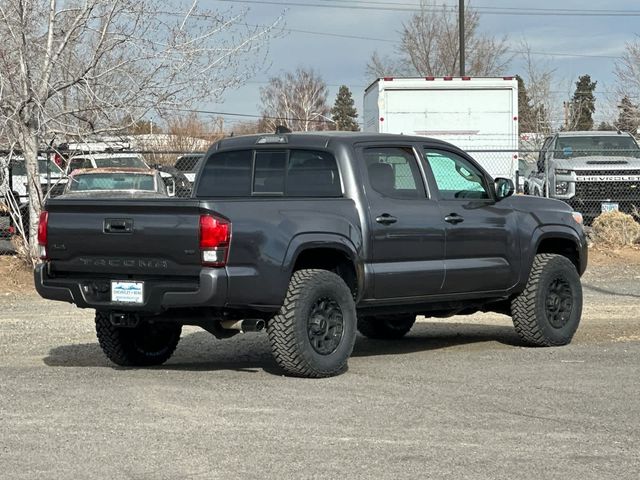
210	290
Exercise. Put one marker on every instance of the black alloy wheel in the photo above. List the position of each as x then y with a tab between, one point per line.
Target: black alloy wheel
559	303
325	326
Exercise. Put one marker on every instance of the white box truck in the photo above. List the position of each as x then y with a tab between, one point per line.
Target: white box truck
472	113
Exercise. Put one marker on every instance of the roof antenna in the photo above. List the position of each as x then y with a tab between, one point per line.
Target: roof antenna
282	129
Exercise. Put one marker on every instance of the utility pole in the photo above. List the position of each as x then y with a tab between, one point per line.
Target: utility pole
566	108
461	34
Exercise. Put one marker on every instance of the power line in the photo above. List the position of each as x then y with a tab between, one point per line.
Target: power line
485	7
396	7
244	115
358	37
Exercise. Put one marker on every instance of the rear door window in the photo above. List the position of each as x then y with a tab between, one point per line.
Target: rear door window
393	172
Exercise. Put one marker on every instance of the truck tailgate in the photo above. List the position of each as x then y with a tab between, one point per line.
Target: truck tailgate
128	237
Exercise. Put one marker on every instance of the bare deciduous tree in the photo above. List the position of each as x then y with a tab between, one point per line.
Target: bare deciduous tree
76	67
430	46
297	100
189	130
247	127
182	134
627	71
539	78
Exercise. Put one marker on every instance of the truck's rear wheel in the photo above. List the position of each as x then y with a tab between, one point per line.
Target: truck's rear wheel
386	327
314	332
547	313
145	345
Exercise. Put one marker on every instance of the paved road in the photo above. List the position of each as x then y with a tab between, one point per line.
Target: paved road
458	398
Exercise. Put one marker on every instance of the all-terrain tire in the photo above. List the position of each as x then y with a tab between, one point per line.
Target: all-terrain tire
547	313
314	332
145	345
386	327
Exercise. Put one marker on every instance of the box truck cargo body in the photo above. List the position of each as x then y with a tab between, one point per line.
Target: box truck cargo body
472	113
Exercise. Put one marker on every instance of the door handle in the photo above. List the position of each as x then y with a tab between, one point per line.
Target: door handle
386	219
453	218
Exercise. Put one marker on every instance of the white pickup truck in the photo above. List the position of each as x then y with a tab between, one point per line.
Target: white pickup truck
13	176
592	171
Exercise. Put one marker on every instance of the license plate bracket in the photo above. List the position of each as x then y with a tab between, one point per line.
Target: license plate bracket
123	291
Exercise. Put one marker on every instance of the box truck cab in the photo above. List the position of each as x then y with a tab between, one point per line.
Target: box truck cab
479	115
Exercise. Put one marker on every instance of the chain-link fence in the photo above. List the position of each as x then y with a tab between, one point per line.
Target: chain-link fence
591	180
158	172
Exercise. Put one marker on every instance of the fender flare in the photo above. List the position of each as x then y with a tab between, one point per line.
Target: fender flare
558	231
308	241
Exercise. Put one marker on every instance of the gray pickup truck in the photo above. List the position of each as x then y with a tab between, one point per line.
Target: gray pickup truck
315	236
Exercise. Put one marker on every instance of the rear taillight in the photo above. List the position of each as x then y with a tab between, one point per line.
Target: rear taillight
215	236
43	231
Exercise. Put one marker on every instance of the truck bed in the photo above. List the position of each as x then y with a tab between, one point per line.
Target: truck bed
92	243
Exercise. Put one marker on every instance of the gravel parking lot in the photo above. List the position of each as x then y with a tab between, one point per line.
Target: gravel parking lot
458	398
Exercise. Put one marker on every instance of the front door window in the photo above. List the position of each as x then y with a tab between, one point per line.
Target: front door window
456	178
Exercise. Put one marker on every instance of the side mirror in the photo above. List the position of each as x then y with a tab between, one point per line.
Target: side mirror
171	187
504	188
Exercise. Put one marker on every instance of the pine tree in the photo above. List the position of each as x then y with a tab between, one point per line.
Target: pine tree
583	104
344	112
629	116
527	121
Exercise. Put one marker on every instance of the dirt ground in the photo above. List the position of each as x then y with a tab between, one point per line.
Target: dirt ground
458	398
606	257
16	275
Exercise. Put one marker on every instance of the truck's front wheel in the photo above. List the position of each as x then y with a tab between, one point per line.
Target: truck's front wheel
314	332
145	345
547	312
387	327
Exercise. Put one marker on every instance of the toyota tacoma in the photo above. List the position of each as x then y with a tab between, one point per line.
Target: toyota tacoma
315	236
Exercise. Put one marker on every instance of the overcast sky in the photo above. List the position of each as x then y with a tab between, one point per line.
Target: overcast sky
588	43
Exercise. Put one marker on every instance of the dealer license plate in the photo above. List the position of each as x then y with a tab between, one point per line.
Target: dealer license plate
609	207
127	292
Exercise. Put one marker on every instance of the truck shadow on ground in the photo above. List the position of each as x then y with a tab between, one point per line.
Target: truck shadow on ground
200	351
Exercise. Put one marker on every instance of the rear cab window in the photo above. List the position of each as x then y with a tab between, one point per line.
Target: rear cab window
270	173
79	162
